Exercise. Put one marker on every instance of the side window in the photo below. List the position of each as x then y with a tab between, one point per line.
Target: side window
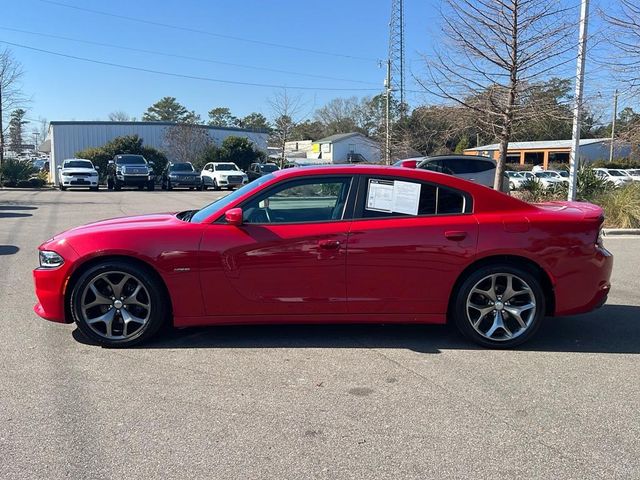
424	199
309	200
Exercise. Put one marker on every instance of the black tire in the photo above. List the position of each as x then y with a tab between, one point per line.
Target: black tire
151	186
116	186
62	188
94	189
109	184
169	186
159	310
203	187
215	184
463	315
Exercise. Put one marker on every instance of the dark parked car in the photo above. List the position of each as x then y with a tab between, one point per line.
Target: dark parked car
180	174
130	171
256	170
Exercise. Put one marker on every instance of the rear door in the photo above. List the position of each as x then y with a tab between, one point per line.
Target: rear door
404	258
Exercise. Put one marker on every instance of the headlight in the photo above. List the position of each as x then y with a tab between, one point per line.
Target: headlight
50	259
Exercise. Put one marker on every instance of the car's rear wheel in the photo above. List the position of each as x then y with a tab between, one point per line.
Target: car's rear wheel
117	304
499	306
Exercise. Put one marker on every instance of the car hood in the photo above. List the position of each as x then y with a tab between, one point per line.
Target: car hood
115	224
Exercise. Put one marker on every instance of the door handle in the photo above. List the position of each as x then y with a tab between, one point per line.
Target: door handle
329	244
455	235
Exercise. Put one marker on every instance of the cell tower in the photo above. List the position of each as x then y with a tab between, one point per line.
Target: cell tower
396	51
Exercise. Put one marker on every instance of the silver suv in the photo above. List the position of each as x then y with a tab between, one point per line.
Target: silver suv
476	169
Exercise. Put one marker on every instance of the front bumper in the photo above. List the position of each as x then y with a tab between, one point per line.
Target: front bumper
181	182
134	179
73	181
51	283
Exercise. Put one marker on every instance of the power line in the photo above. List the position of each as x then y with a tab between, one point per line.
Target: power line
186	57
180	75
204	32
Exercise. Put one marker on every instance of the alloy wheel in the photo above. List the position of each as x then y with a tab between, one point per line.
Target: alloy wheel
116	305
501	307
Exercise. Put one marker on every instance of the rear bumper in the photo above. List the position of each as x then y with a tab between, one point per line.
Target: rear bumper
588	289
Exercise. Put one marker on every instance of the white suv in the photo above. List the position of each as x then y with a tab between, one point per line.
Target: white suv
222	175
78	172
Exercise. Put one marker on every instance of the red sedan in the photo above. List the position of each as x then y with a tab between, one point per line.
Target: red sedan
355	244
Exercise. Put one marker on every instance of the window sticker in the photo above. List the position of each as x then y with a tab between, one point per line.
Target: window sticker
393	196
406	197
380	195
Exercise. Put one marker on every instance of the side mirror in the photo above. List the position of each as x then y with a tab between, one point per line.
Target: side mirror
111	162
151	163
233	216
97	168
59	167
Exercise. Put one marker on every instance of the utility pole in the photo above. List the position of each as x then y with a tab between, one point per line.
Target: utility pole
387	96
577	108
613	124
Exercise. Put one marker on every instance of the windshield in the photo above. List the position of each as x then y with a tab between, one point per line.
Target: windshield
207	211
545	174
270	167
564	173
226	167
77	164
615	173
130	160
181	167
514	174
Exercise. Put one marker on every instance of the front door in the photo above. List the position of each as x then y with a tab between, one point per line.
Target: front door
288	257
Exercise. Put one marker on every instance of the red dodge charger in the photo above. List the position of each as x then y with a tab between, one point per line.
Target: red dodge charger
356	244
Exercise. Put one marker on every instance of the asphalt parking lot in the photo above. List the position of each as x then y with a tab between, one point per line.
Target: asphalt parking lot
301	402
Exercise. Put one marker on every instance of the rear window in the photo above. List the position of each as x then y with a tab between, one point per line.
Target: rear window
427	199
223	167
464	165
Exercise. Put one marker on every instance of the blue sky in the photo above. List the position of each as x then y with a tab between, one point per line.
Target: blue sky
68	89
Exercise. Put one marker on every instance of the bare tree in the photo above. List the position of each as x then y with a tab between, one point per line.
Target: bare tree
119	116
11	96
286	110
186	141
625	38
493	52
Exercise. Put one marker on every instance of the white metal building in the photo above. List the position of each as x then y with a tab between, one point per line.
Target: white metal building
65	139
335	148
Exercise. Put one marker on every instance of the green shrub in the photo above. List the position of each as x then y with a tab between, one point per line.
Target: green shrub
621	206
132	144
13	171
589	186
533	191
616	163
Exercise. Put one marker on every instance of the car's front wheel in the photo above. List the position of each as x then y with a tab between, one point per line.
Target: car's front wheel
499	306
117	304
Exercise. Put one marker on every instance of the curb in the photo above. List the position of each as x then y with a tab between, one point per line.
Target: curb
615	232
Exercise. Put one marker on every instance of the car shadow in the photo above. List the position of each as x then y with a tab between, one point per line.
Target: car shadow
611	329
8	249
17	207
